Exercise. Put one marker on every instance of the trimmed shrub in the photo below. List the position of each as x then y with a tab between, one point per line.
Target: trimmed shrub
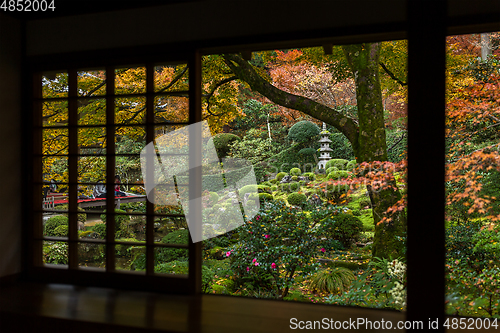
175	237
303	131
222	143
263	189
337	162
331	280
307	151
338	174
351	165
247	189
296	199
294	186
280	176
295	172
302	182
343	227
310	175
295	178
265	197
54	222
274	188
272	181
331	169
213	198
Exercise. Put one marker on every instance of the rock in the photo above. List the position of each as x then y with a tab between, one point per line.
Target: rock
286	179
315	200
245	198
303	178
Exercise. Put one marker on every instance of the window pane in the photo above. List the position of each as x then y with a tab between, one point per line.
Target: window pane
91	254
91	83
55	141
169	78
92	111
318	225
130	80
55	253
472	175
171	109
130	110
92	140
54	85
55	113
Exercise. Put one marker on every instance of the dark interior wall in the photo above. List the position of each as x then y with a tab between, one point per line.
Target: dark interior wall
10	145
204	21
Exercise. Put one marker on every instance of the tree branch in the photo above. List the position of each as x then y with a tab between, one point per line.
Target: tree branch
395	144
214	89
391	74
245	72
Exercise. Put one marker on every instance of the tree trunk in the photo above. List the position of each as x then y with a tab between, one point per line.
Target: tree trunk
363	60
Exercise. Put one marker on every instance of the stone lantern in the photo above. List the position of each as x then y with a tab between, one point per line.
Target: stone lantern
324	150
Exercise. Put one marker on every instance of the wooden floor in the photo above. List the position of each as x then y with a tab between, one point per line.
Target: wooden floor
30	307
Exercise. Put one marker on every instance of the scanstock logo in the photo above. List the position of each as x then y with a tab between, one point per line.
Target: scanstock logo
228	189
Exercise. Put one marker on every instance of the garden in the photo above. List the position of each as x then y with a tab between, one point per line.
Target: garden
328	149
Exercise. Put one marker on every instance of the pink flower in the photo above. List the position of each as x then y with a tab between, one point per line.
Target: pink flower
254	260
256	264
273	265
248	269
257	218
266	236
322	250
228	253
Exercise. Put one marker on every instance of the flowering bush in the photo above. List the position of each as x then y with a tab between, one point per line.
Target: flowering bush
276	246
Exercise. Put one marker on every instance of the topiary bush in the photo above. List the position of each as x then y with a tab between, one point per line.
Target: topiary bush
296	199
263	188
303	131
310	175
295	178
343	227
295	172
274	188
247	189
54	222
166	254
265	197
331	169
280	176
222	143
351	165
339	174
337	162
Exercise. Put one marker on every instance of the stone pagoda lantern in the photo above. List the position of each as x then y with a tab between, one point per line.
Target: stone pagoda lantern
324	150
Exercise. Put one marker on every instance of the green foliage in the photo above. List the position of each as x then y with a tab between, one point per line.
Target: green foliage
295	178
330	170
280	176
332	280
56	253
263	188
61	231
343	227
351	165
307	151
278	246
121	223
54	222
222	143
289	158
274	188
265	197
338	174
297	199
82	217
272	181
182	267
100	229
166	254
339	163
310	175
340	145
213	198
303	131
295	172
398	142
247	189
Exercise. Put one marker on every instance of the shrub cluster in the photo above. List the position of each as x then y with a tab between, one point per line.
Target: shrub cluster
297	199
54	222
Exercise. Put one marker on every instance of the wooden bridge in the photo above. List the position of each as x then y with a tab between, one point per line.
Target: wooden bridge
51	201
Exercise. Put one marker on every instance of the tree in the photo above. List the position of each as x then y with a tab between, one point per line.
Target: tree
367	134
